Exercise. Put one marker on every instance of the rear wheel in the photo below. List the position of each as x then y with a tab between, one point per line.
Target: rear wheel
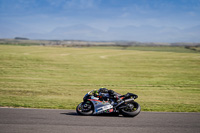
132	109
85	108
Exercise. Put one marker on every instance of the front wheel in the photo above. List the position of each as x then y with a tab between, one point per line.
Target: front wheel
85	108
132	109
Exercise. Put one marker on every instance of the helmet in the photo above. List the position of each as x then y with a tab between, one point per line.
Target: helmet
111	92
103	90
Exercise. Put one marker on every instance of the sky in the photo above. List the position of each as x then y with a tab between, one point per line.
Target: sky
102	20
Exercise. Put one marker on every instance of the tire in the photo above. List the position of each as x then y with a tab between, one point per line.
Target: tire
79	109
131	113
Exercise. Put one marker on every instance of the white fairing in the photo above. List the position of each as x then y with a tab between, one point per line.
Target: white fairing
100	106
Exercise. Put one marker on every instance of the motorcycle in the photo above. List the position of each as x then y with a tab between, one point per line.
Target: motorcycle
122	104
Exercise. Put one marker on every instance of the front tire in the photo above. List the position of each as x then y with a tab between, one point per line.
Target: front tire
132	109
85	108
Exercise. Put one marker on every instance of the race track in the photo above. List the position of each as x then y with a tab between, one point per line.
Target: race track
14	120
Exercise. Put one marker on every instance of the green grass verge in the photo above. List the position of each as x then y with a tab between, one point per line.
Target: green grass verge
165	78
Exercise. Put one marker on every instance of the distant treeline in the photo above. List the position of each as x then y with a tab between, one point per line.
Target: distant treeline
80	43
21	38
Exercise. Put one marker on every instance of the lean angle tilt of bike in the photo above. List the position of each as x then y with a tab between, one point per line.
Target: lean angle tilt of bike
107	101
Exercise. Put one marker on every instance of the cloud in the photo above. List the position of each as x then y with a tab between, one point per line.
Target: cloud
144	33
74	32
42	16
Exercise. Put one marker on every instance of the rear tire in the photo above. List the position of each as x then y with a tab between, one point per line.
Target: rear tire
80	109
135	110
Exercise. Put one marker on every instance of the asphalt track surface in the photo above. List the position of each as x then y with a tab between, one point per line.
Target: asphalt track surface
14	120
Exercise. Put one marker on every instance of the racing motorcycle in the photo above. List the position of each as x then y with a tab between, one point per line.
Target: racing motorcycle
93	104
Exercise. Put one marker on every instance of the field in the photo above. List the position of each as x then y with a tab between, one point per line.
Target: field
165	78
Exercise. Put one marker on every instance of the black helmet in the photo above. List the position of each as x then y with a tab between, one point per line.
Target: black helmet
103	90
111	92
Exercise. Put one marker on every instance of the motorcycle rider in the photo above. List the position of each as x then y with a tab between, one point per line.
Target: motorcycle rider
107	95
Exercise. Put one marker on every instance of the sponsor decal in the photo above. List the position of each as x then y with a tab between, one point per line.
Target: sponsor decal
111	110
103	102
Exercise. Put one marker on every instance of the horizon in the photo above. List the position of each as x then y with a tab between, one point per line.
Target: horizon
24	39
101	20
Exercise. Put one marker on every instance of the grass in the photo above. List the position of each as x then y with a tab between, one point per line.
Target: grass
165	78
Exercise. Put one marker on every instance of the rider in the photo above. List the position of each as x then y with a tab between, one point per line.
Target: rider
107	95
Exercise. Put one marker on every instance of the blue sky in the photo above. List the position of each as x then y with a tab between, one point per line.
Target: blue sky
133	20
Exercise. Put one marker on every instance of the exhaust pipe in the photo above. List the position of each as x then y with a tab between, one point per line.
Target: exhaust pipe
129	100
